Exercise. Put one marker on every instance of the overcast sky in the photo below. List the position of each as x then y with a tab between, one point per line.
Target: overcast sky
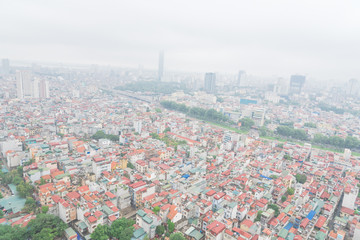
319	38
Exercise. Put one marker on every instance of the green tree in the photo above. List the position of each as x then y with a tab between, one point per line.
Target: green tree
177	236
130	165
246	123
171	226
44	209
20	170
283	198
17	180
42	181
30	205
310	125
12	233
219	99
160	230
25	189
258	216
275	208
46	221
1	196
122	229
156	209
290	191
300	178
44	234
100	233
1	213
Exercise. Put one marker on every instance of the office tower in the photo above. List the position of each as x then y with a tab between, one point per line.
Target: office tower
353	85
161	65
210	82
258	115
240	78
5	66
44	89
23	84
282	86
35	90
296	84
138	126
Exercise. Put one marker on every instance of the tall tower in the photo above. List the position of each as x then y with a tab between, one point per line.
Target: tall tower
161	66
35	90
353	86
210	82
19	85
5	66
240	78
296	84
44	89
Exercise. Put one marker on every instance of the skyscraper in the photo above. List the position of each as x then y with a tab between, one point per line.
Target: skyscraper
210	82
35	90
23	84
161	65
240	78
44	89
5	66
296	84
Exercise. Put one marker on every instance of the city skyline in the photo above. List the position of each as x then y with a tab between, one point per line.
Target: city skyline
275	39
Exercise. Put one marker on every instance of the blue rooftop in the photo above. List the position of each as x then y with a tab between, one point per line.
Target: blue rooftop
288	226
265	177
311	215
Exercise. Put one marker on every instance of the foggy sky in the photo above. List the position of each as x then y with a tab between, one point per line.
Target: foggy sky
319	38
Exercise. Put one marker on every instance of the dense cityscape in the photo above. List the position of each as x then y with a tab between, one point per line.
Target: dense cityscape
153	155
179	120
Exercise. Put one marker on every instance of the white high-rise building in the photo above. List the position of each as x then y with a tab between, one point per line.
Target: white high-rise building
24	84
138	126
35	90
44	89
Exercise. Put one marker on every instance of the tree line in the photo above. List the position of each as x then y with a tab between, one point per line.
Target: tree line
120	229
44	226
334	141
100	135
197	112
349	142
291	132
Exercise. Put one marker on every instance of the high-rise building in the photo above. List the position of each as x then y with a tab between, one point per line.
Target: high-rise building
44	89
240	78
5	66
296	84
353	87
23	84
27	88
35	90
161	65
210	82
138	126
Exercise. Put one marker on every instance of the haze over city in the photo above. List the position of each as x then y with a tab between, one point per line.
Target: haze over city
266	38
179	120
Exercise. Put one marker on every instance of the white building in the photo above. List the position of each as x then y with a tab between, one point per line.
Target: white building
10	144
138	126
99	165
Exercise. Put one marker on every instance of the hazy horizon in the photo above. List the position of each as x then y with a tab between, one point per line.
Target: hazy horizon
317	39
